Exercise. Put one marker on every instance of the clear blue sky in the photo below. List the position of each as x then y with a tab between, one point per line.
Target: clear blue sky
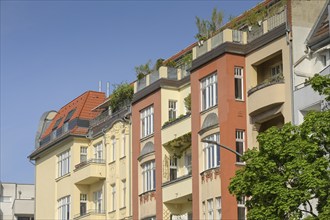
52	51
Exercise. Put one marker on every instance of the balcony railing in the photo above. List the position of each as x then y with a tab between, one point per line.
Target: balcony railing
276	20
268	82
89	212
106	115
85	163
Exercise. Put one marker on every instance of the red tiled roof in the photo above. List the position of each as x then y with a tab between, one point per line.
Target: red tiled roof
83	106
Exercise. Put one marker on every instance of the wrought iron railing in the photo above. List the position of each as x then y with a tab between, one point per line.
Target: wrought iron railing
268	82
89	212
85	163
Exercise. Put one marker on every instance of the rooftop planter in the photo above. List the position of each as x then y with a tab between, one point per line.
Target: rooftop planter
121	96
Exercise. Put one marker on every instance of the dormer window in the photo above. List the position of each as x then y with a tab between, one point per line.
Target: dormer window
67	119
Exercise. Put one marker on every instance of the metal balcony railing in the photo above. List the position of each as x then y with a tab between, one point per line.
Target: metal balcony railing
89	212
85	163
268	82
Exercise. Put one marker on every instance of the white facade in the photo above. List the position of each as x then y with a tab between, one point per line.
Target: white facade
16	201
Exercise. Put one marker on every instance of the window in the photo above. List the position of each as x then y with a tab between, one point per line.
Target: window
276	70
210	209
123	184
123	145
113	196
98	201
83	154
238	71
64	208
148	176
66	126
211	152
113	158
98	151
187	162
204	211
239	145
209	91
53	134
147	121
83	204
173	168
241	208
63	163
218	208
172	109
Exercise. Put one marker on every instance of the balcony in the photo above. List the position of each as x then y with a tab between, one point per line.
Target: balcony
163	72
178	190
242	34
267	93
180	125
91	214
23	207
89	172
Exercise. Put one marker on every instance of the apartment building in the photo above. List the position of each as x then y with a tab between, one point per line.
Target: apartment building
161	165
170	154
241	84
16	201
316	59
56	154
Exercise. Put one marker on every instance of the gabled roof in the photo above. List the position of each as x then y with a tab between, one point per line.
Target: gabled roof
81	107
320	33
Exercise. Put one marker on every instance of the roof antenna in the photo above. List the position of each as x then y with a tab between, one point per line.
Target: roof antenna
108	89
100	86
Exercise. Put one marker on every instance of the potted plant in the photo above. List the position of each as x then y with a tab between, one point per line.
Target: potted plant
121	95
143	70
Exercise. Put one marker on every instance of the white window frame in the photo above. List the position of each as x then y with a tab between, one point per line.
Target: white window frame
98	151
187	162
147	121
210	212
148	176
172	109
113	197
64	206
83	154
238	72
218	213
173	168
83	200
98	201
241	205
123	203
65	126
209	91
240	139
63	163
211	152
278	70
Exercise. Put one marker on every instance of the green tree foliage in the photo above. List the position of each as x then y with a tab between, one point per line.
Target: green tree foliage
143	70
122	95
207	28
290	168
321	84
187	102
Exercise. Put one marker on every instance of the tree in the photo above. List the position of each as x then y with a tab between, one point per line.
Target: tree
121	95
207	28
290	168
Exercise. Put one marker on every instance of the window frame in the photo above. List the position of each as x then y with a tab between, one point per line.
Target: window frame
147	121
240	139
83	153
64	208
63	163
98	151
148	176
211	152
210	211
209	91
98	201
172	109
239	78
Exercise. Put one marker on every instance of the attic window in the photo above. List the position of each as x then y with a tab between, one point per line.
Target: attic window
69	115
57	123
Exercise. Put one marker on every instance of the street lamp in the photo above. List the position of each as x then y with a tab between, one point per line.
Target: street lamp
220	145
